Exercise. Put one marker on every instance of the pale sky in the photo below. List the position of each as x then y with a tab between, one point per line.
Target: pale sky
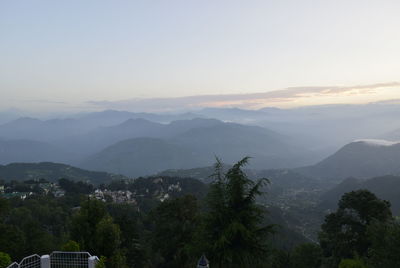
76	54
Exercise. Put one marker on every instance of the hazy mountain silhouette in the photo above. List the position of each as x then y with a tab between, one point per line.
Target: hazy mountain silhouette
31	151
57	129
52	172
197	147
360	159
139	157
385	187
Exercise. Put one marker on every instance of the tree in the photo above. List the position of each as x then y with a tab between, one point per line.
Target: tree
234	235
12	241
117	260
107	237
343	234
70	246
5	260
84	224
306	256
127	217
71	187
278	258
4	207
385	244
352	263
96	232
175	223
102	262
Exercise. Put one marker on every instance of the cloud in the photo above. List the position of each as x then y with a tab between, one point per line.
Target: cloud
391	101
46	101
251	100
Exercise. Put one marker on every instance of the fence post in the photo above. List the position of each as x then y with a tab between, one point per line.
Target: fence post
92	261
45	261
203	262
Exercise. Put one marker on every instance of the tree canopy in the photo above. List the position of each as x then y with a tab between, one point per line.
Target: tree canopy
344	233
234	234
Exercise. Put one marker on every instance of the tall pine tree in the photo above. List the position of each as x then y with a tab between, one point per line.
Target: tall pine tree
234	234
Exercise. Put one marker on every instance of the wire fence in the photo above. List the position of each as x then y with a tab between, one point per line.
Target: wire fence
58	259
32	261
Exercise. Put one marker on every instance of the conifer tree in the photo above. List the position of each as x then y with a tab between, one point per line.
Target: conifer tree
235	236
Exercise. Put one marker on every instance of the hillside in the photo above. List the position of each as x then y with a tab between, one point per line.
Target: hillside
386	187
231	141
52	172
58	129
140	157
197	147
100	138
161	187
360	159
42	130
202	173
31	151
150	191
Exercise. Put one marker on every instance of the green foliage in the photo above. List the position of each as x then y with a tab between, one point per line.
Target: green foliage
5	260
4	207
385	244
228	226
175	223
277	258
71	187
129	220
344	232
41	220
352	263
233	232
118	260
70	246
94	229
306	256
12	240
107	237
102	262
84	223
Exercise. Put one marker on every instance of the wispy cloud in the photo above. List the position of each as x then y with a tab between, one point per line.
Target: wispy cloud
46	101
251	100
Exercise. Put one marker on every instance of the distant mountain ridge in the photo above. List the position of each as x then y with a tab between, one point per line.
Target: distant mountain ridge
276	138
140	157
56	129
385	187
102	137
196	147
359	159
53	172
153	146
32	151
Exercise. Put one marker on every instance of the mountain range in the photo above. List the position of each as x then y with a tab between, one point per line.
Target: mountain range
195	144
137	144
359	159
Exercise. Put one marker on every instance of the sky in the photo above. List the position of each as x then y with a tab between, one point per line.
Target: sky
158	55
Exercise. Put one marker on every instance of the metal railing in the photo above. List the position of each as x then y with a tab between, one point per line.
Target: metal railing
58	259
32	261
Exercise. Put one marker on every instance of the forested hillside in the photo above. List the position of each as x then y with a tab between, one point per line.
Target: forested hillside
169	222
52	172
